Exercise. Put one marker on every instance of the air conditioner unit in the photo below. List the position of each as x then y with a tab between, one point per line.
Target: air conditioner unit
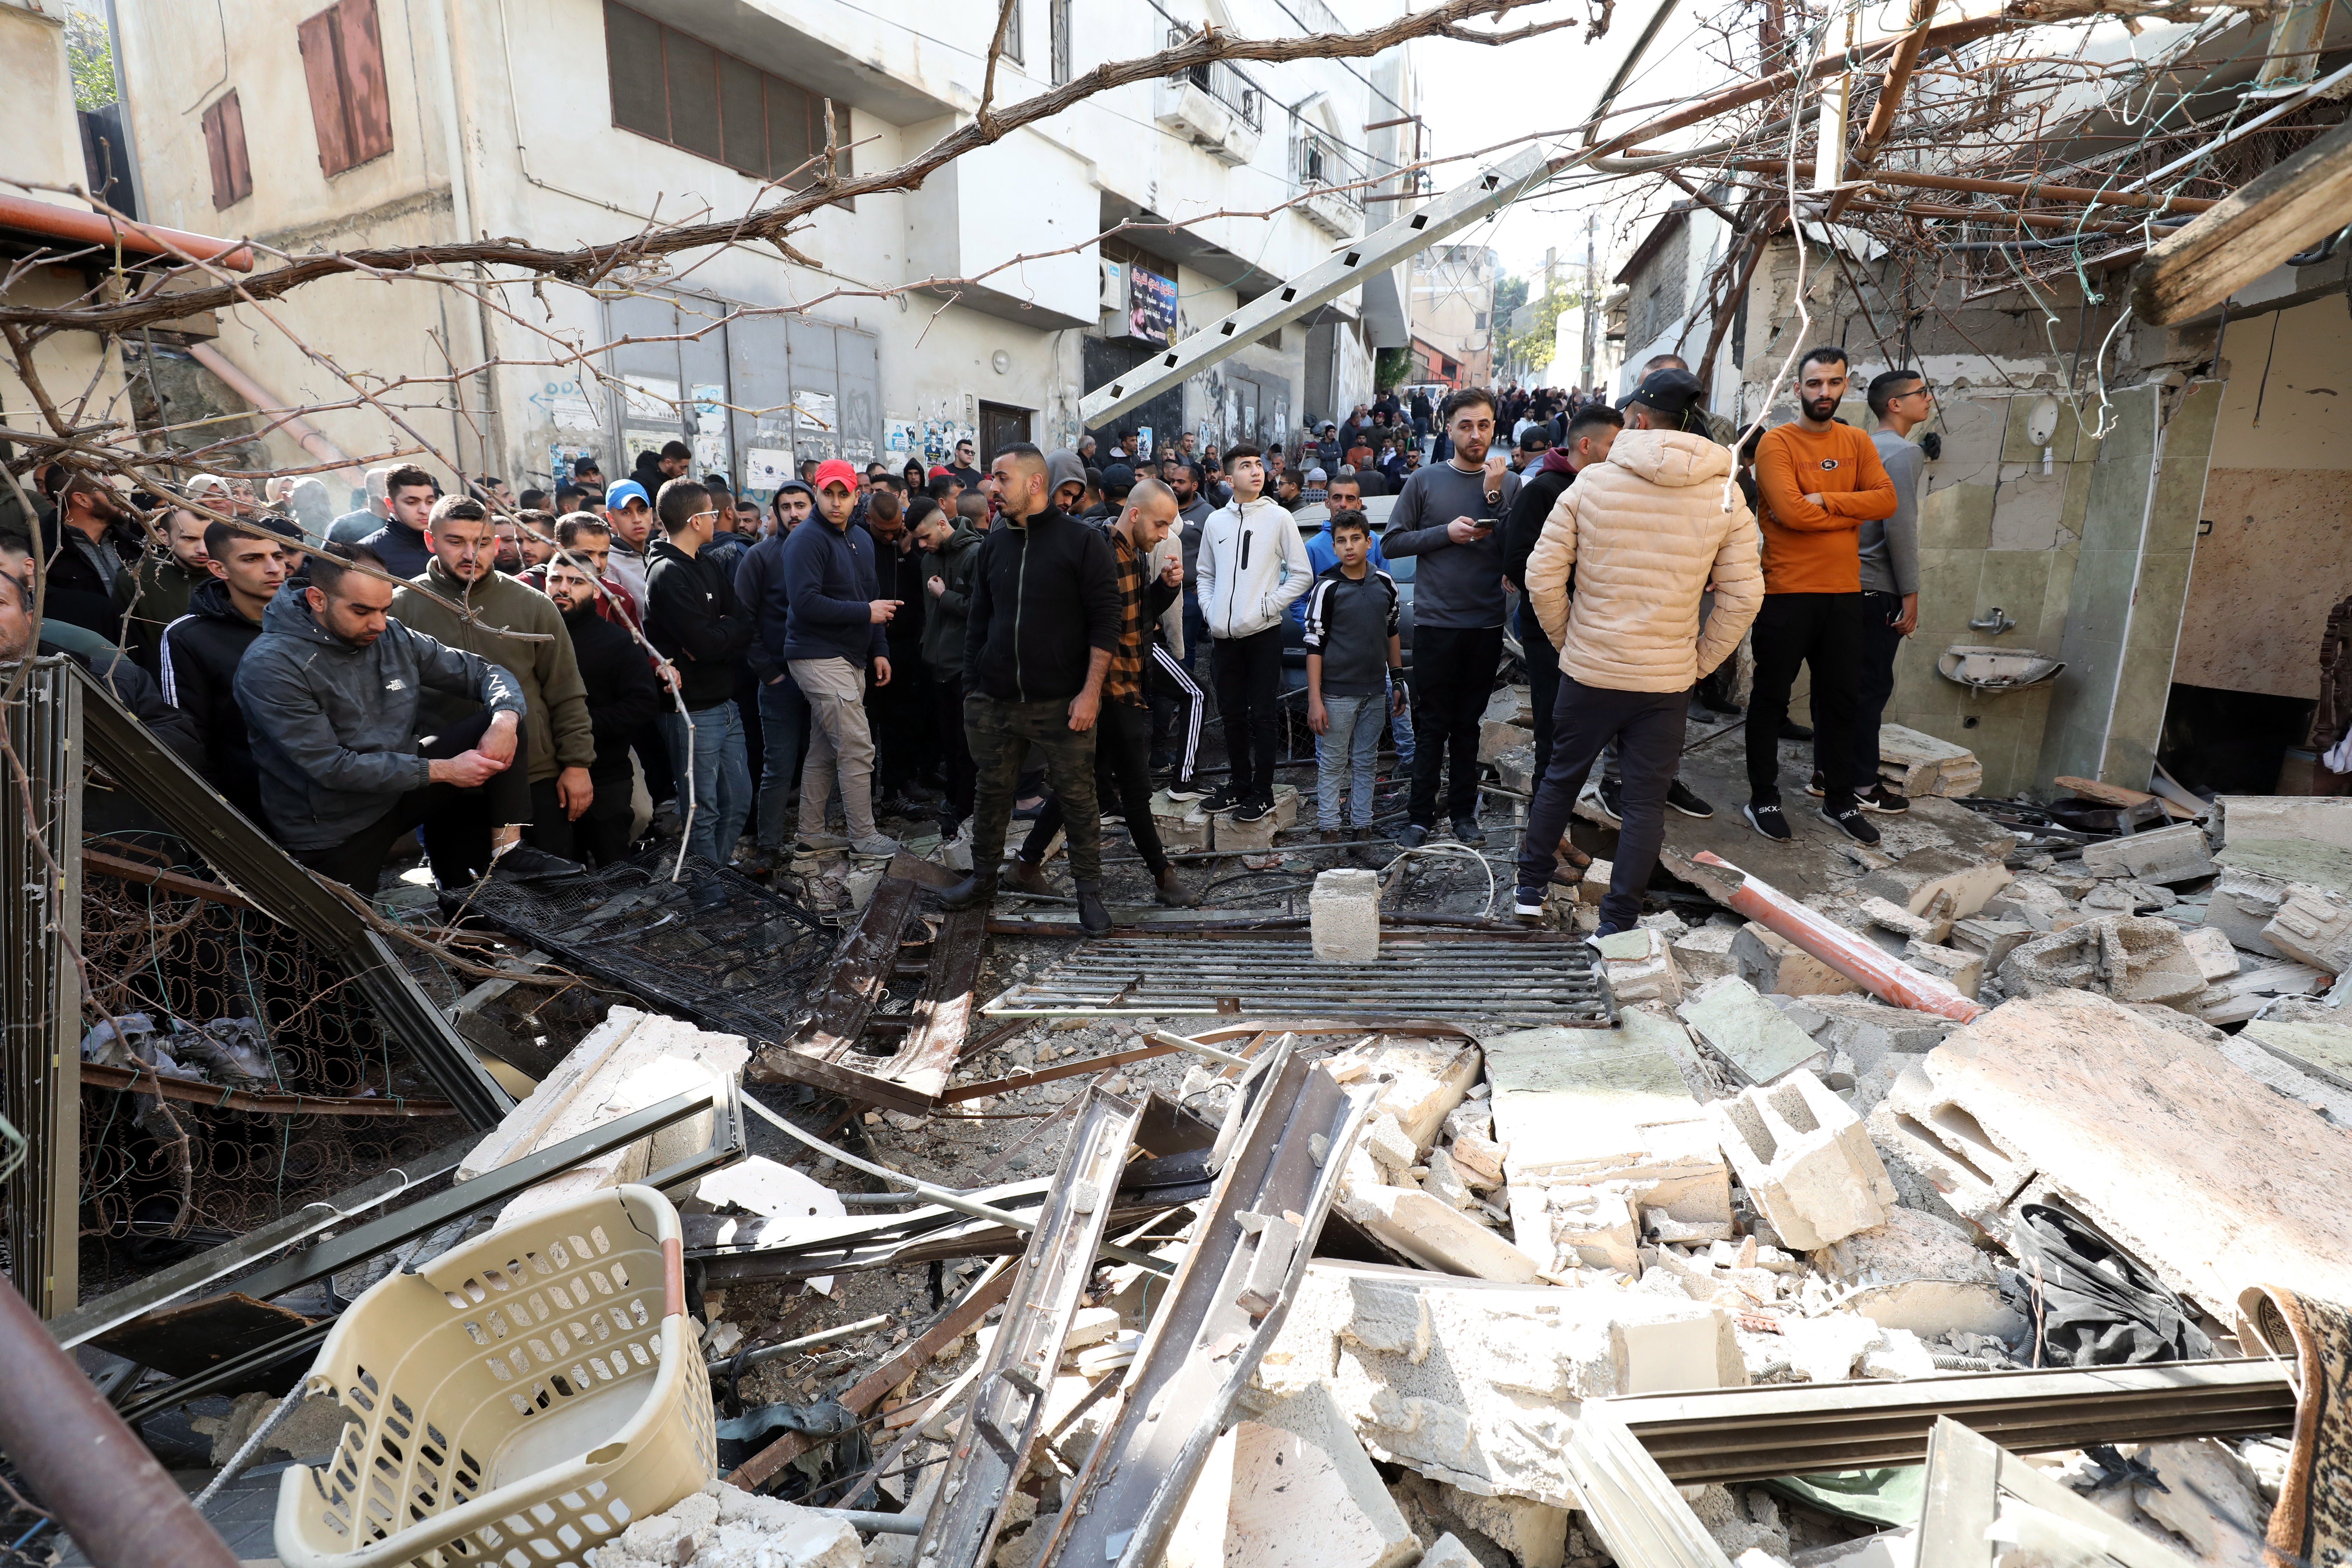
1114	286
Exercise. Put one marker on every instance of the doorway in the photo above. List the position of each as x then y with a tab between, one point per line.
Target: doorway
1001	425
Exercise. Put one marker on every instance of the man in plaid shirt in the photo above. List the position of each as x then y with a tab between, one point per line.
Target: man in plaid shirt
1123	736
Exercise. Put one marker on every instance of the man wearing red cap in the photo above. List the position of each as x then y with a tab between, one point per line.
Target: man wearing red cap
834	637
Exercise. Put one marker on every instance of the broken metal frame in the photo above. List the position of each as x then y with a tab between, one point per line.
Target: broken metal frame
1183	977
1239	1276
911	1075
1736	1435
166	785
1007	1407
1247	1029
427	1215
40	986
1632	1506
1970	1482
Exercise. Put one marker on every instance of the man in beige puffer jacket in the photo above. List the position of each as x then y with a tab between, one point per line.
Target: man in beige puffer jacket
1645	533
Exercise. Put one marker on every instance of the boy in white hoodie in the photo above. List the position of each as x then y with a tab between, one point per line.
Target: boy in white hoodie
1252	563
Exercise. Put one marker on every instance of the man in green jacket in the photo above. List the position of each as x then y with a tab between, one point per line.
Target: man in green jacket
561	741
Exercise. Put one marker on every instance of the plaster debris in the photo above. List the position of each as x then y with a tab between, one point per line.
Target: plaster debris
726	1527
1750	1032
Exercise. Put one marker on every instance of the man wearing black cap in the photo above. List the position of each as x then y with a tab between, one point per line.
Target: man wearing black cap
1643	531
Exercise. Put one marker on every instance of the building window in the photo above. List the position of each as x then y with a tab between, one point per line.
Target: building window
1478	321
1057	24
1012	33
225	148
676	89
343	60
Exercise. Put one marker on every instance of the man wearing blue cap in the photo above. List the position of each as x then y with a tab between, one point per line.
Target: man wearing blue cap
629	512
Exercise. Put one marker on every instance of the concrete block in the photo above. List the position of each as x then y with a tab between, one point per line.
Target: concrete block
1963	971
2315	820
1449	1552
1592	1227
2217	956
1479	1157
2123	956
2244	901
1828	1348
1913	880
1497	738
1640	966
1806	1160
1244	838
2313	926
1920	764
1775	966
1920	1273
1344	915
1304	1491
1704	954
1534	1533
1881	915
1436	1235
1921	1133
1594	885
1420	1081
1182	825
1755	1037
1476	1385
1995	939
1516	769
2175	854
1445	1184
1393	1149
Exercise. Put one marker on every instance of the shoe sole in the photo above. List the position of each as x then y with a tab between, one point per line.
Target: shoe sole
1849	832
1693	816
1884	810
1527	913
1762	832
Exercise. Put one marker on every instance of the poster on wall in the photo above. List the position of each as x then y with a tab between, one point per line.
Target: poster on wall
637	439
816	411
1151	306
1143	444
646	399
765	467
560	456
898	438
569	408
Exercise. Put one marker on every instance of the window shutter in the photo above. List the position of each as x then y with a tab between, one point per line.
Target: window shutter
633	56
367	100
317	37
232	136
216	156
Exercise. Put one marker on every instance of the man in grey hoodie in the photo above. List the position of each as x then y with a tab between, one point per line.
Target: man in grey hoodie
330	691
1253	565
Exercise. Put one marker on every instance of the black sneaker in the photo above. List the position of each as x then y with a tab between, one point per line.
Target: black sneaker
1596	801
1415	836
1468	831
1221	798
1882	799
1814	787
1528	903
1767	819
1612	799
529	863
1792	730
1257	808
1188	789
1855	824
1687	801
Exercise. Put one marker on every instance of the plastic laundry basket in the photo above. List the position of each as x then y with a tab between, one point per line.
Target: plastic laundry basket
520	1399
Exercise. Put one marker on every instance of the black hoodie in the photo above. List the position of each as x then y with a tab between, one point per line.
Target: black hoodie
196	660
623	695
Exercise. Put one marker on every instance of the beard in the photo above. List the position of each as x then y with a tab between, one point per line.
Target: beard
1820	412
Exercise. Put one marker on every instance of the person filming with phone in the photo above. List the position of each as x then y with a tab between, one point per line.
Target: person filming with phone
1450	514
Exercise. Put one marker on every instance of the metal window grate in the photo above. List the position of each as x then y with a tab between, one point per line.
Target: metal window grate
1517	980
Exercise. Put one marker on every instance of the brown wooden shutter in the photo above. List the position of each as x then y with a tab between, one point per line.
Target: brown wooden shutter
367	100
231	137
316	37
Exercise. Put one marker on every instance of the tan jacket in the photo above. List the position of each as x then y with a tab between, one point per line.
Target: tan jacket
1645	532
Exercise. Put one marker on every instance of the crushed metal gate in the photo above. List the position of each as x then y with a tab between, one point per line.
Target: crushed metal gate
1557	982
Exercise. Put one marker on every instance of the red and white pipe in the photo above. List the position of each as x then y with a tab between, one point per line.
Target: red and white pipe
1856	957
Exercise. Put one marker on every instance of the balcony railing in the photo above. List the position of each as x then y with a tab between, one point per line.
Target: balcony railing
1223	83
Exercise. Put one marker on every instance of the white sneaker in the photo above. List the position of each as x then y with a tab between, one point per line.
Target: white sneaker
880	846
1528	903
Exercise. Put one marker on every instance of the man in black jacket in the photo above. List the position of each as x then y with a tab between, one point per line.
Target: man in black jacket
1589	436
198	653
693	619
88	545
624	698
1045	619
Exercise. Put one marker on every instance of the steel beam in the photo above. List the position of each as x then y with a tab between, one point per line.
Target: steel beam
41	985
1961	1522
1297	1127
1008	1401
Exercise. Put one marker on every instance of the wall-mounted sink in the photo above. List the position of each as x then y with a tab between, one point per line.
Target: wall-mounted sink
1995	669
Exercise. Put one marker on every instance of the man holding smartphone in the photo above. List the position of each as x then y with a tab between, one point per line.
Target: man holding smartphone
1450	514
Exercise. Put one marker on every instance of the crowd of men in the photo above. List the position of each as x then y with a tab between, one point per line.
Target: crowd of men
522	681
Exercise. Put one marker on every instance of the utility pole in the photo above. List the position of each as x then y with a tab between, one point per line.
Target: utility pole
1591	298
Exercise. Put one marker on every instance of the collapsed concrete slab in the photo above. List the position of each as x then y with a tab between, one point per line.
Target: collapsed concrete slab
2204	1173
1434	1234
2315	819
2255	989
1704	953
1475	1385
2244	901
1303	1491
2313	926
1420	1079
1749	1033
1806	1160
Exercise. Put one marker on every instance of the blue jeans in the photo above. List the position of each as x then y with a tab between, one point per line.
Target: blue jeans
713	753
1401	720
783	732
1346	755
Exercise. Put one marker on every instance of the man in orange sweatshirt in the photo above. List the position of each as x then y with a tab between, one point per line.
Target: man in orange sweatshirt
1819	481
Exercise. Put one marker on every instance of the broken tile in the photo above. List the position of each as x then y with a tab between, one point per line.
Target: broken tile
1436	1235
1962	970
1750	1032
1304	1491
1805	1160
1572	1103
1705	953
1774	966
2252	990
1995	939
2323	1050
